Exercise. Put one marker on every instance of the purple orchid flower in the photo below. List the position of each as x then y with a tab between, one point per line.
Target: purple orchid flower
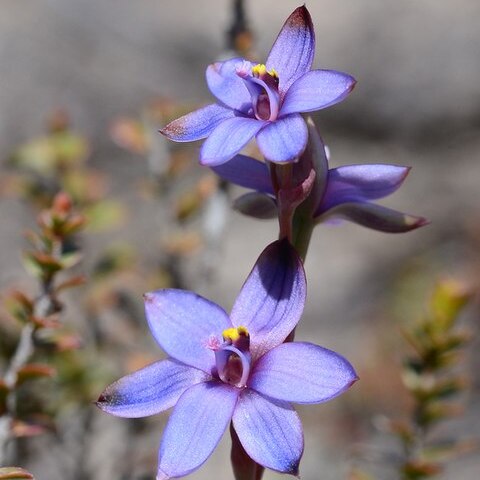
237	368
343	193
264	100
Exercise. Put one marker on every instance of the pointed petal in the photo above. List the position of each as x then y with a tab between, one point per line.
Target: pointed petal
228	139
246	172
359	183
375	216
227	86
150	390
283	140
315	90
292	53
256	205
195	427
271	301
302	373
182	323
270	432
198	124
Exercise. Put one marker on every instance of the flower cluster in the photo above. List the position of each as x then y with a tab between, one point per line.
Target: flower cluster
244	368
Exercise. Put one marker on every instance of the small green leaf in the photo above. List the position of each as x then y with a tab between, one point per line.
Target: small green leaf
105	215
448	298
69	260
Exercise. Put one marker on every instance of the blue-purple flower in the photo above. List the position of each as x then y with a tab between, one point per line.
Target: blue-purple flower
264	100
235	368
343	193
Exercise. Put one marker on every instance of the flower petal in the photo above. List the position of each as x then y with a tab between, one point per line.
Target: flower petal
182	323
150	390
195	427
359	183
292	53
228	139
198	124
246	172
375	216
315	90
271	301
302	373
270	432
283	140
227	86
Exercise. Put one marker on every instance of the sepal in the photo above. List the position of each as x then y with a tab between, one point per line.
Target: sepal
256	205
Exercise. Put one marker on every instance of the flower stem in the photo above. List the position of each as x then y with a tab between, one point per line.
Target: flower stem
282	183
302	234
244	468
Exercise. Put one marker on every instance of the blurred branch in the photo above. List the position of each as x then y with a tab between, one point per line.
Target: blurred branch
239	37
433	379
45	261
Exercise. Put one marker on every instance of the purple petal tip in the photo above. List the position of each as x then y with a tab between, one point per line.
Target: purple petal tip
161	475
173	129
421	222
300	16
102	401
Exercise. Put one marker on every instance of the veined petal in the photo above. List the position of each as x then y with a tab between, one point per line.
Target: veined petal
270	432
228	139
197	124
272	298
353	183
246	172
150	390
227	86
302	373
375	216
195	427
315	90
182	323
292	53
283	140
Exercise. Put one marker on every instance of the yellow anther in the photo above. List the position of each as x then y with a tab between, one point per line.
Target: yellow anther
273	73
234	333
259	70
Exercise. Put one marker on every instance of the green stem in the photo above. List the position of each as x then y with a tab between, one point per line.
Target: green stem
302	234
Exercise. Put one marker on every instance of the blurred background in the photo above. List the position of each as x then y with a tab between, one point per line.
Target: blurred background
84	87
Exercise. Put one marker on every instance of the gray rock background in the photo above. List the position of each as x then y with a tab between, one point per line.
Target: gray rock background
417	102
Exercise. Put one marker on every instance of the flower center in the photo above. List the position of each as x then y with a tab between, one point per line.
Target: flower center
263	87
233	356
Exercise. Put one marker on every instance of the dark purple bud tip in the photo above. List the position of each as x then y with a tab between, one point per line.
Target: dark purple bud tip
295	470
102	401
421	222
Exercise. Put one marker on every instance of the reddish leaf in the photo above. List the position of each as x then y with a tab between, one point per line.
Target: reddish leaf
22	429
33	371
7	473
71	282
